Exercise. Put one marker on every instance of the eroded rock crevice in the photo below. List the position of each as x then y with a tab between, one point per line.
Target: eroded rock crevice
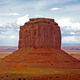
40	33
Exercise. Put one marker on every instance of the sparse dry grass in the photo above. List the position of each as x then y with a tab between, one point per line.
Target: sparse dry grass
3	54
38	73
74	53
34	73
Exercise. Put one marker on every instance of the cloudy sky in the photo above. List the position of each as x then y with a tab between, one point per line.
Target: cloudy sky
14	13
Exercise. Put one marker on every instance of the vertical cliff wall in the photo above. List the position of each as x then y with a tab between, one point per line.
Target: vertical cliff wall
39	46
40	33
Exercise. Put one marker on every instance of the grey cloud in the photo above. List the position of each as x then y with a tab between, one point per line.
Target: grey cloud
9	35
67	32
9	27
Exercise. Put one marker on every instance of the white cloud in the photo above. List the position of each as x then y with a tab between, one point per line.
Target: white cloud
66	22
71	39
38	16
9	35
54	9
0	24
10	14
13	37
22	20
13	14
72	33
1	36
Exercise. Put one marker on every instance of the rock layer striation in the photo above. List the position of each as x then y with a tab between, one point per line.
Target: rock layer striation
40	33
39	46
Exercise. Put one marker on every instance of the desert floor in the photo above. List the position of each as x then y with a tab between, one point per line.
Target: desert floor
74	53
42	73
4	54
36	73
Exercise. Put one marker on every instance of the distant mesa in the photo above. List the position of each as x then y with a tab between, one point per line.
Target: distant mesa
39	46
70	47
8	48
77	49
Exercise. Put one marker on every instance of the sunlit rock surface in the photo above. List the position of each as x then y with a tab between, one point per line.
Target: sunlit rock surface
40	33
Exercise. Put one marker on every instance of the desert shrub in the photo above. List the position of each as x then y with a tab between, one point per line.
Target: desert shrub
1	77
56	76
50	77
6	75
19	78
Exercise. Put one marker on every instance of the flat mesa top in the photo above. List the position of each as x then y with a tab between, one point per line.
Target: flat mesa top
37	19
40	20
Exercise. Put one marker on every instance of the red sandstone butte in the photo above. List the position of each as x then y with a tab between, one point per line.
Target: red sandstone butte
39	46
40	33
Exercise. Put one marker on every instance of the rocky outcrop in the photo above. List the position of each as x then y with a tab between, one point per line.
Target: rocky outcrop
39	46
40	33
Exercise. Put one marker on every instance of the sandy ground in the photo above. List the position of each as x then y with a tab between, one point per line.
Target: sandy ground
4	54
37	73
34	73
74	53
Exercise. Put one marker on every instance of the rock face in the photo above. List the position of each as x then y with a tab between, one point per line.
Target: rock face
39	46
40	33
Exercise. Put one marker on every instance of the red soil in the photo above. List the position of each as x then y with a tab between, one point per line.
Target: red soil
39	57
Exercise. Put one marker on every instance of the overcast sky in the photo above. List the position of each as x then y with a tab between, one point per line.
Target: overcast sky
14	13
